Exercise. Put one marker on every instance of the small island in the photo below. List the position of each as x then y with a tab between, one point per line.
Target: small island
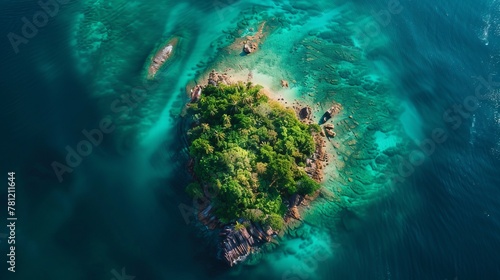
254	161
160	57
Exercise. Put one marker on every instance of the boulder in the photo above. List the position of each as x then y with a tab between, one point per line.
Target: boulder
196	93
305	113
247	48
215	78
329	126
294	213
212	82
330	133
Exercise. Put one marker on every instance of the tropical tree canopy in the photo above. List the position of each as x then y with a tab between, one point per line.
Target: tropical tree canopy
251	150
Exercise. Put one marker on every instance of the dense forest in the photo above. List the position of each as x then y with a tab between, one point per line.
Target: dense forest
251	150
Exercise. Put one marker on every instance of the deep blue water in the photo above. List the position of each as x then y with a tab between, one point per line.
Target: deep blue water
113	211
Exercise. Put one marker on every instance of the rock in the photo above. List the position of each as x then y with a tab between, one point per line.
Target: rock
206	216
294	213
212	82
247	49
330	133
236	244
269	231
305	113
329	126
196	93
284	83
215	78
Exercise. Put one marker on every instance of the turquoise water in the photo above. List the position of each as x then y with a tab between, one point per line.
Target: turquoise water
395	78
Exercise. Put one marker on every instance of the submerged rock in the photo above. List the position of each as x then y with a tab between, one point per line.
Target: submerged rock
290	250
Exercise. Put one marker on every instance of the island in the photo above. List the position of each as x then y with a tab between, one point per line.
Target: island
252	160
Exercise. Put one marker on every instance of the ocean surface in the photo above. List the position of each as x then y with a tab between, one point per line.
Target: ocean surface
420	78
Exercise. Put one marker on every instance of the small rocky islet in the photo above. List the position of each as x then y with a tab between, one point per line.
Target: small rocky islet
160	57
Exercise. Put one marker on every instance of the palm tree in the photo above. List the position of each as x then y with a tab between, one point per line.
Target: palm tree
209	149
205	127
247	100
234	104
219	136
226	120
212	110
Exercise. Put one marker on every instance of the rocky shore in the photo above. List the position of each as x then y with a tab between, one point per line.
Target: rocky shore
238	240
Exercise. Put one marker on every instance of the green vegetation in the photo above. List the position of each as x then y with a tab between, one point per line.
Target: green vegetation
251	150
239	226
